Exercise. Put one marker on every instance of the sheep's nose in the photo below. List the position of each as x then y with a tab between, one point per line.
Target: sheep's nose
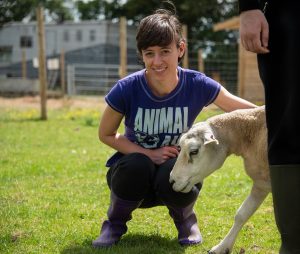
171	180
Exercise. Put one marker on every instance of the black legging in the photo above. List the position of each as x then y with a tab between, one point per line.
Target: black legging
136	177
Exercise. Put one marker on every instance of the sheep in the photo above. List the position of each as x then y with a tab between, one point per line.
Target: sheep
205	147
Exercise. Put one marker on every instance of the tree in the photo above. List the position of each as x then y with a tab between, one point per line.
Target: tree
17	10
90	10
199	16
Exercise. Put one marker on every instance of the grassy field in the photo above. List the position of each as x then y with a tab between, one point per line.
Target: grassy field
53	193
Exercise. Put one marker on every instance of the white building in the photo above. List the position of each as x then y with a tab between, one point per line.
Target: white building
85	42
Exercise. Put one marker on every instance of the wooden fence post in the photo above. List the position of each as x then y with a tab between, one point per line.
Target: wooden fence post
123	47
24	65
42	64
62	72
186	56
241	71
200	61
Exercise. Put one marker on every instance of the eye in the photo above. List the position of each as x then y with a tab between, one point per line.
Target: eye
194	152
165	52
148	54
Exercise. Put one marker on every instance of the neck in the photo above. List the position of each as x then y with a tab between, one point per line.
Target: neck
229	132
239	130
162	87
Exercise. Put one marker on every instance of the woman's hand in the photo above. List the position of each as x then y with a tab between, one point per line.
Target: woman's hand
162	154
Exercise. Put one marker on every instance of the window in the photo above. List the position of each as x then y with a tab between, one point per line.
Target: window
79	35
26	42
66	35
92	35
5	54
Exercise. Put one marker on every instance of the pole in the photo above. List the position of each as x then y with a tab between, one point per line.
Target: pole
62	72
186	56
42	65
200	61
123	47
24	66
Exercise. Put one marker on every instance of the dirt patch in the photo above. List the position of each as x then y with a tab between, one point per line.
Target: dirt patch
28	102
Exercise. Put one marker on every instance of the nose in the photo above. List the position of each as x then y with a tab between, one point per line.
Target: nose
171	180
199	186
157	59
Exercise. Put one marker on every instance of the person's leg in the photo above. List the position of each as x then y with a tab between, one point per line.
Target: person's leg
180	205
129	180
280	74
286	199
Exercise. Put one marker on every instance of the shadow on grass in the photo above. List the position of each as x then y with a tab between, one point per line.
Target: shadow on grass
130	244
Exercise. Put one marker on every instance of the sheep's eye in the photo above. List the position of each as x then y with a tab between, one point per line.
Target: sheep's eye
194	152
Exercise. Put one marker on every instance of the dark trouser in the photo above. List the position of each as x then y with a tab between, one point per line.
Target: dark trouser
280	73
136	177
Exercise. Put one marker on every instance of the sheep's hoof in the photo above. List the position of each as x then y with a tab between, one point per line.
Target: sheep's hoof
212	252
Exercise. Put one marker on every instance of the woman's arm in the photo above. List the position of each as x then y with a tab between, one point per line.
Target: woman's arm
229	102
109	135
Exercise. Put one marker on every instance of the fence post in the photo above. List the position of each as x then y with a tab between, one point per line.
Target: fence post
24	65
123	47
200	61
71	80
62	72
42	65
241	71
186	56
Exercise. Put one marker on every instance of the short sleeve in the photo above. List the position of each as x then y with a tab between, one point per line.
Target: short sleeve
115	98
212	89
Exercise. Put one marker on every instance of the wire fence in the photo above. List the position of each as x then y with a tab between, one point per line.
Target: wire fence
94	78
95	70
218	61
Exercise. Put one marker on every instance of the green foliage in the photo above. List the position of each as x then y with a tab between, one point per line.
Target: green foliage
199	16
90	10
54	196
17	10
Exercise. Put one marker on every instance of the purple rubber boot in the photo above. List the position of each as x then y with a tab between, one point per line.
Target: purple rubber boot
119	212
186	223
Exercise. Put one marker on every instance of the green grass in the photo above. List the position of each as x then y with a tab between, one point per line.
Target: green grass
53	193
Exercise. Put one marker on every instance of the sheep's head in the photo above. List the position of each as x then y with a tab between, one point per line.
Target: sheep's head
199	156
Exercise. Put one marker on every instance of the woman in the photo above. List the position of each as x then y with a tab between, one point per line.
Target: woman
158	103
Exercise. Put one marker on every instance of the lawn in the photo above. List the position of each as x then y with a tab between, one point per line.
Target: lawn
53	193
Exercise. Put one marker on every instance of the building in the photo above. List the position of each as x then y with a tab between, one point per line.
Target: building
90	42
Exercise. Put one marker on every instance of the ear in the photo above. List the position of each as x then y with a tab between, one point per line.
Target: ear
181	48
210	138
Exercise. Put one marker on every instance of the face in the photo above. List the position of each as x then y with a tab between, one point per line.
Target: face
200	155
161	62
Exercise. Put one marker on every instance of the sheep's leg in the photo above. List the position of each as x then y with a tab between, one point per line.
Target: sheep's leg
246	210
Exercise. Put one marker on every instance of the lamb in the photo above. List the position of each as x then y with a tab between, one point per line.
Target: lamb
205	147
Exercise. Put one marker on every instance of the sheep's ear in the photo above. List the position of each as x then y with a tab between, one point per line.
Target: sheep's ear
210	138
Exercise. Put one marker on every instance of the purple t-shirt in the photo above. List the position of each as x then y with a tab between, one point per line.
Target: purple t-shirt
152	121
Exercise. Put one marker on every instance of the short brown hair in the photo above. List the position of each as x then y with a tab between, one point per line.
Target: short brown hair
159	29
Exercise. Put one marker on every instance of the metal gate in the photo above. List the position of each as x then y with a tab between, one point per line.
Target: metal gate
94	78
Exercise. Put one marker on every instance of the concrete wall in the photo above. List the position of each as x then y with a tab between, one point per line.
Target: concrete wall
18	85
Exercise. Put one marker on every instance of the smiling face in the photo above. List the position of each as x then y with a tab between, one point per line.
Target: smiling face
160	29
161	61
